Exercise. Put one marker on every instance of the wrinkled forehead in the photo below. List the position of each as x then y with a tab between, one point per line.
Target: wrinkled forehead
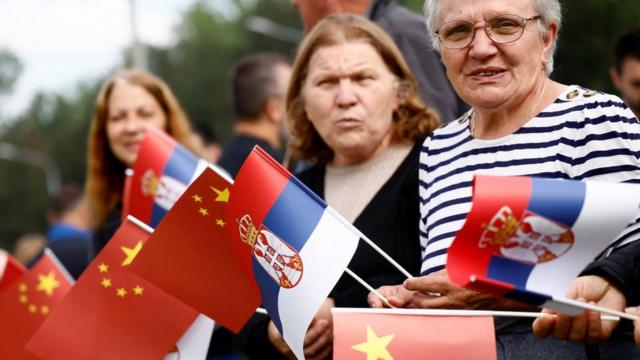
480	10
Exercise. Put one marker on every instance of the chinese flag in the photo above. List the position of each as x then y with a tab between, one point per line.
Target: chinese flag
10	270
26	303
367	335
112	314
204	271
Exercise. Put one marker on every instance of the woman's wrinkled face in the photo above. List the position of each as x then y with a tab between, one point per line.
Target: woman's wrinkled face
490	75
131	110
349	96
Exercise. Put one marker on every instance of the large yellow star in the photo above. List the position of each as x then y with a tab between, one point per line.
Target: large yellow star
197	198
131	253
375	347
47	283
223	195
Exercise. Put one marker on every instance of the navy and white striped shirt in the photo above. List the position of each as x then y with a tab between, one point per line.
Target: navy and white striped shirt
582	135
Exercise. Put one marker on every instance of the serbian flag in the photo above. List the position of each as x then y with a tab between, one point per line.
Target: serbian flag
10	270
162	171
528	238
111	313
295	245
204	271
373	334
27	303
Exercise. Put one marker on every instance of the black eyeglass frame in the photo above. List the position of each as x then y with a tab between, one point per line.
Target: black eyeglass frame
523	25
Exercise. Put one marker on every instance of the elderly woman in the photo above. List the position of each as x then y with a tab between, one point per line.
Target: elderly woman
354	114
498	55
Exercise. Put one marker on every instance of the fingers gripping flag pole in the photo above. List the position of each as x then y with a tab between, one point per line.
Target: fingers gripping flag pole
528	238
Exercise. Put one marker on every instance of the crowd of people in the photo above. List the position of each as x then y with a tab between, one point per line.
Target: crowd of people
388	119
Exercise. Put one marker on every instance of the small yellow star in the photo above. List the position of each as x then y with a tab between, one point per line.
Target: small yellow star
103	268
131	253
121	292
33	308
47	283
138	290
23	299
203	211
44	309
375	347
197	198
220	222
223	195
106	282
23	287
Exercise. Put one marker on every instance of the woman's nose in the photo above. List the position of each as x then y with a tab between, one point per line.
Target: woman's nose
132	123
346	96
482	46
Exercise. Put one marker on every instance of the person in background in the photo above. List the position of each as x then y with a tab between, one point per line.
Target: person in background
625	72
68	216
28	248
408	31
357	120
205	139
69	232
499	55
258	86
129	102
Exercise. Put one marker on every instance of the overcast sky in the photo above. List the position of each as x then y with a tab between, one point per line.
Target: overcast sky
63	41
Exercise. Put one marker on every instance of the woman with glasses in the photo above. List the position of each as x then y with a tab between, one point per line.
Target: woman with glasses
498	55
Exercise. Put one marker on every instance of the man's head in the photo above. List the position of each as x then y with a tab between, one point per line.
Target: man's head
625	72
258	86
312	11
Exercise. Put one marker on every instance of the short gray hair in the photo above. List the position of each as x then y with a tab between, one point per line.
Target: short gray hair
550	12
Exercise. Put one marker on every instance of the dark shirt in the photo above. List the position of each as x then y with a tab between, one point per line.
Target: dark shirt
238	148
409	32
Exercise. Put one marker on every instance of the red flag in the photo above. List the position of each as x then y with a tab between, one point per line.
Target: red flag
204	271
26	303
112	314
10	270
368	335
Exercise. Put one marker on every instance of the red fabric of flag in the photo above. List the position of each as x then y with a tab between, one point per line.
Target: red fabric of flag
10	270
112	314
26	304
204	271
365	335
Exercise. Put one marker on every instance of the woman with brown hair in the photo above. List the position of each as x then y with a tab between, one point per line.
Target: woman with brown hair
355	116
128	103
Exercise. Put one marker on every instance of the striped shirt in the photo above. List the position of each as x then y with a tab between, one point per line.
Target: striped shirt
581	135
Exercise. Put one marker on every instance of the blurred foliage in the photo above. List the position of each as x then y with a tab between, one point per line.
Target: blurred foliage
209	38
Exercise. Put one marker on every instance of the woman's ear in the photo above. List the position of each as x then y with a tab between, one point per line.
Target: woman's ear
548	40
403	89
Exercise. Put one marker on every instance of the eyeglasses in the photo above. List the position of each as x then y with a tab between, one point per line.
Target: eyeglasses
502	29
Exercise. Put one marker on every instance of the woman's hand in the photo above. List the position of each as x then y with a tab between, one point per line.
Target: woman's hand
397	296
452	296
587	326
